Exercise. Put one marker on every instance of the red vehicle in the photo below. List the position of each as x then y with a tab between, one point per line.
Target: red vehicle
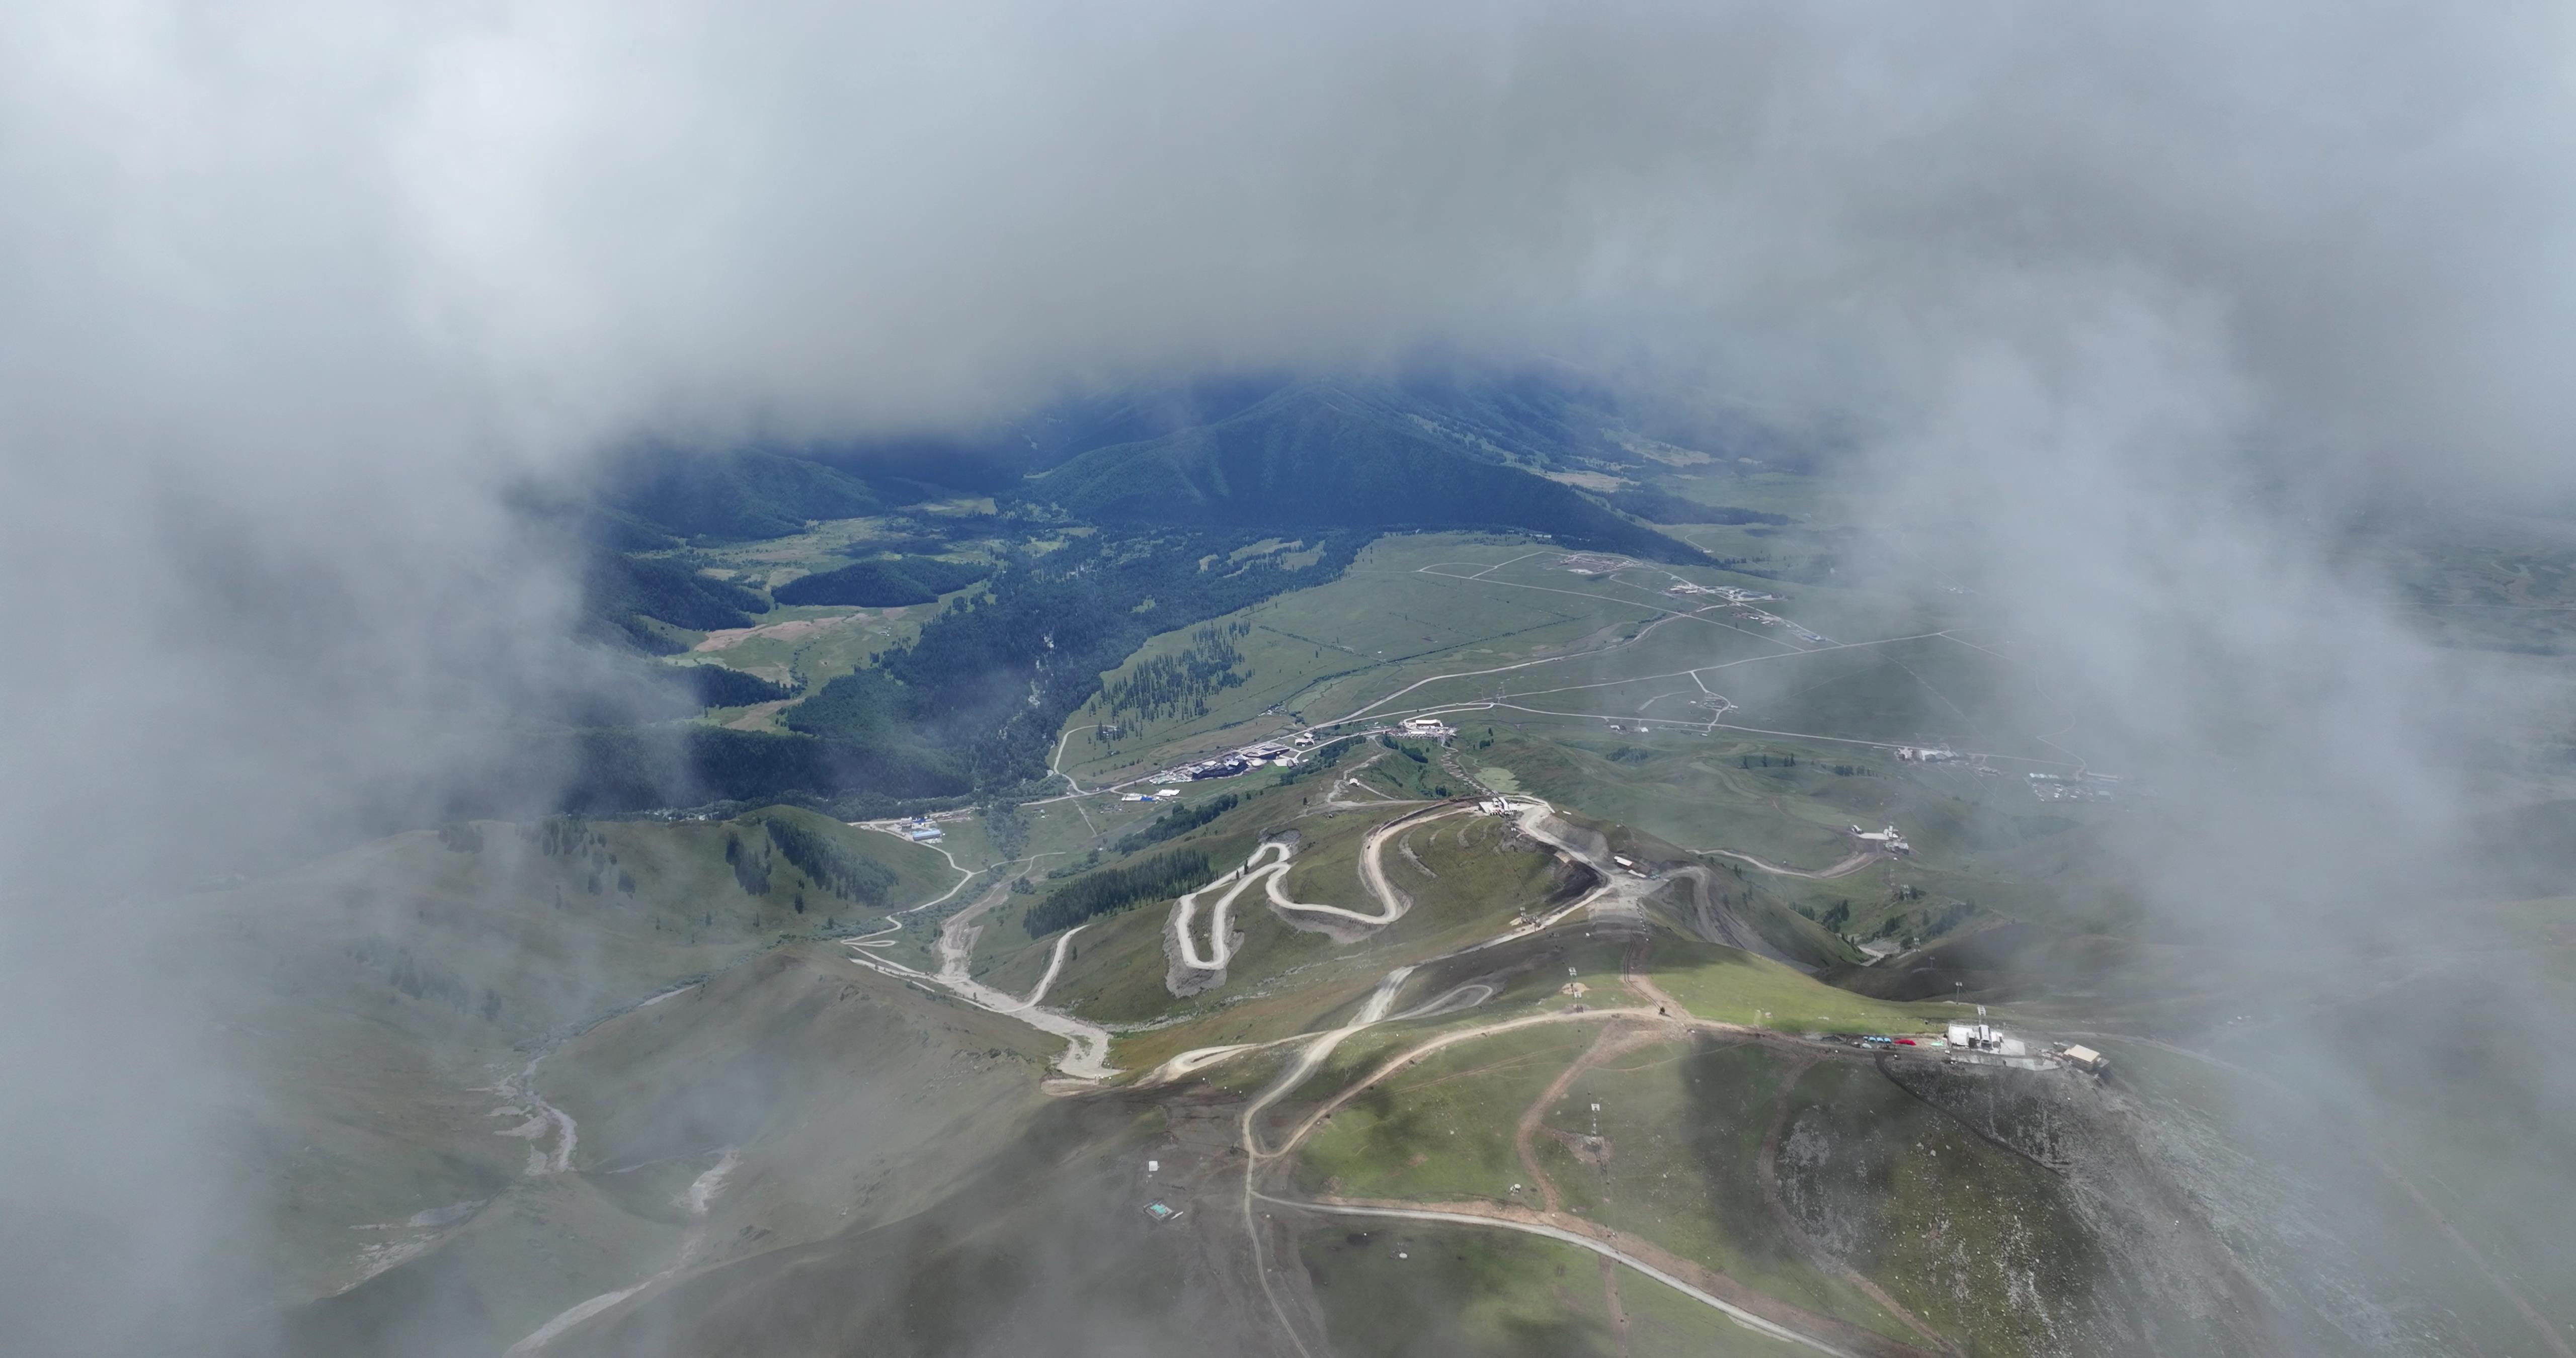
1905	1042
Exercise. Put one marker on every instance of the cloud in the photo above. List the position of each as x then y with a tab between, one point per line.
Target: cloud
291	294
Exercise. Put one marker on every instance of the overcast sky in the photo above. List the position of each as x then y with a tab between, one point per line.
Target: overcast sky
290	293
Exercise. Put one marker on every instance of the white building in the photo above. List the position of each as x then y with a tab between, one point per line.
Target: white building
1431	728
1986	1037
1888	839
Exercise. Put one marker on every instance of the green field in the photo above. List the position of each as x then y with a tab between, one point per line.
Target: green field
1441	1130
1499	1295
1732	986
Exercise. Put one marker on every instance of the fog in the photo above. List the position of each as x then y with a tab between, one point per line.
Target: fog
2150	304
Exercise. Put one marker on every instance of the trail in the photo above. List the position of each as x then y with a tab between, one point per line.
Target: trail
1392	903
1580	1240
1312	1055
1613	1040
964	874
543	1118
1767	1174
1220	916
1086	1054
1055	964
1314	1049
1056	765
1844	868
1643	1025
1268	866
1720	924
696	1200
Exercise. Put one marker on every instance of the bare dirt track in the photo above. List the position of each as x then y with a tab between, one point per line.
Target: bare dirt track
1086	1055
1844	868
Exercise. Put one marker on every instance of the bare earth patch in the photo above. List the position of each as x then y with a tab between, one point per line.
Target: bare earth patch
780	631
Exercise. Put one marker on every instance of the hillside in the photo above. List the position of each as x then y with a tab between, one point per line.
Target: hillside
753	493
1315	455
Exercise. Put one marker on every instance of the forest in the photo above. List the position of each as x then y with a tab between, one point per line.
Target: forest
1178	821
1179	683
989	682
717	686
620	592
836	868
1161	878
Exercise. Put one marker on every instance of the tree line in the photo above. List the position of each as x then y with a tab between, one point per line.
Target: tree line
1160	878
1177	822
1166	684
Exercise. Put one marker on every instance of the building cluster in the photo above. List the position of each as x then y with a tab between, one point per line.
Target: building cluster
1729	593
920	830
1922	754
1888	839
2050	787
1426	728
1595	563
1764	618
1230	764
1980	1043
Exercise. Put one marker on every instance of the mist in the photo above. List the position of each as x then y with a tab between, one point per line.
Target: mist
2148	309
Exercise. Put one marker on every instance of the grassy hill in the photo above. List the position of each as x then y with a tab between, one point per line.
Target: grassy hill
1317	455
736	496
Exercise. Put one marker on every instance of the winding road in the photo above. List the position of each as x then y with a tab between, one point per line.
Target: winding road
1086	1054
1844	868
1738	1314
1268	866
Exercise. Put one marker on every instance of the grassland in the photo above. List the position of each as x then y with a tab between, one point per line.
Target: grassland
1963	1234
1548	658
1441	1129
383	999
1732	986
810	645
1492	1294
1465	877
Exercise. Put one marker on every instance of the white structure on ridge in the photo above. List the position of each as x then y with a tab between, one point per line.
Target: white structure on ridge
1888	839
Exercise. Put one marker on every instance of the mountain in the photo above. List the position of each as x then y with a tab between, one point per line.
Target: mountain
622	591
1315	455
737	496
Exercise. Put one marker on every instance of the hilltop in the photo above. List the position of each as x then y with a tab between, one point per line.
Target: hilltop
1321	456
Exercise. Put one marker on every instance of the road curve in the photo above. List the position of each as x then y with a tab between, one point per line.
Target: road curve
1220	915
1086	1054
1054	964
1844	868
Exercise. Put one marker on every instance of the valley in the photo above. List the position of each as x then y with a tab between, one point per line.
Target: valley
1481	943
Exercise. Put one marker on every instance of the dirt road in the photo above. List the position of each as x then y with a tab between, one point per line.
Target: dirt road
1844	868
1086	1054
1644	1258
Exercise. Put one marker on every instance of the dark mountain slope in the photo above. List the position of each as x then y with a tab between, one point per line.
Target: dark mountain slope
1321	456
736	496
620	591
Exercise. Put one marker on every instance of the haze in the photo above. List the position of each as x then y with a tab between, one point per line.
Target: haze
2148	327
